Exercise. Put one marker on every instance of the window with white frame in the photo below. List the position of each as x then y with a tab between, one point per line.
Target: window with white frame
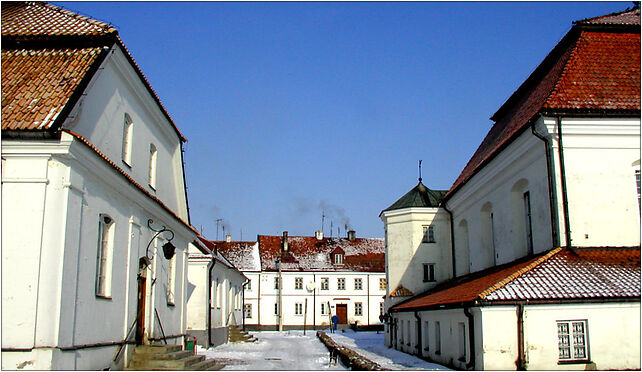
152	166
104	257
276	282
382	284
325	284
128	129
338	259
298	283
358	309
247	311
382	308
341	284
171	280
298	308
358	284
428	234
248	286
429	272
571	339
437	338
323	309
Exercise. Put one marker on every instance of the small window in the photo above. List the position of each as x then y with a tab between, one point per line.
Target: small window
171	279
298	308
248	286
152	166
298	283
276	282
105	252
338	259
429	272
128	129
437	338
358	309
571	339
325	284
382	284
426	335
219	293
323	309
382	308
462	341
358	284
529	222
247	311
276	308
428	234
341	284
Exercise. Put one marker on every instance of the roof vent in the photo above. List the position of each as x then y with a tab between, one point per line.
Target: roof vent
319	234
351	235
284	244
228	238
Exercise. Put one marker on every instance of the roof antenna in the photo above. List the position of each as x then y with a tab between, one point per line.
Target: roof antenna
322	219
419	170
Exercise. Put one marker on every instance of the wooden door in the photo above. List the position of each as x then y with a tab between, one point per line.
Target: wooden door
140	309
342	313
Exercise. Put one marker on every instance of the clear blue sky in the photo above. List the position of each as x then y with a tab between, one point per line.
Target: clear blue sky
290	108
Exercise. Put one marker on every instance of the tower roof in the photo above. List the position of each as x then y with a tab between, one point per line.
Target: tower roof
419	196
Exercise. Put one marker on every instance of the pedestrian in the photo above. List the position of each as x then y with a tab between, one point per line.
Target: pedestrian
335	320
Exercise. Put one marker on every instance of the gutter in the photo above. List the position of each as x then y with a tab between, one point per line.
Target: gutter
552	197
471	337
560	150
452	239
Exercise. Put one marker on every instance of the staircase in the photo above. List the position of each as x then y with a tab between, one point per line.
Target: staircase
238	335
169	358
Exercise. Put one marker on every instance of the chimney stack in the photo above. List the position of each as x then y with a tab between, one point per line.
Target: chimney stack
351	235
319	234
284	244
228	238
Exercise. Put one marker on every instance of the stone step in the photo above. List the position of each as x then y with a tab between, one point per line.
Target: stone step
205	365
176	364
160	356
157	349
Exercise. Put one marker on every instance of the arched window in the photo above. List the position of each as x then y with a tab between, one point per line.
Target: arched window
152	166
462	247
104	257
522	229
489	254
128	129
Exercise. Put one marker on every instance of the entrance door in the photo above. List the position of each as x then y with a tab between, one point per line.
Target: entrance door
140	307
342	313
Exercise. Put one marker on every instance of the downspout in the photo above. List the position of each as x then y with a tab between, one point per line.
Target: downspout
314	301
243	297
560	149
258	302
209	300
471	336
521	359
552	198
418	333
452	239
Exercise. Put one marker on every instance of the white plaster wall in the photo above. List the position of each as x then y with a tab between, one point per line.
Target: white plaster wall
405	252
524	160
198	302
613	335
499	334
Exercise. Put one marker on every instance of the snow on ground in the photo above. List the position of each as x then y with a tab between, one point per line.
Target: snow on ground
371	346
290	350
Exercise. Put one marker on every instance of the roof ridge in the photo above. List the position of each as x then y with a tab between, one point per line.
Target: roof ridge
518	273
586	20
77	16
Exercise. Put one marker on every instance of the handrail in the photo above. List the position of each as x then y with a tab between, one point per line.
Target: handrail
161	326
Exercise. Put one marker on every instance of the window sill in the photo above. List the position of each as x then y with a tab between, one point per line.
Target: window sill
152	187
103	297
126	164
170	303
562	362
429	281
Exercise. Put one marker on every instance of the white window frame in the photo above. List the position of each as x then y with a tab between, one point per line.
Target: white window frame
573	340
106	231
358	309
298	309
382	308
153	159
298	282
248	286
276	282
128	129
247	311
323	312
325	284
358	284
341	284
338	259
382	284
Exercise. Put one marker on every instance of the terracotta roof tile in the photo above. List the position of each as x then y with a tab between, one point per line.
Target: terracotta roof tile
401	291
243	255
37	84
560	274
627	17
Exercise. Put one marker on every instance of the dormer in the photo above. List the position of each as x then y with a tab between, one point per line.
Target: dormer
337	256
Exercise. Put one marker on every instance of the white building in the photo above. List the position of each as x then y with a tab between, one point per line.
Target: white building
318	277
93	194
535	257
217	298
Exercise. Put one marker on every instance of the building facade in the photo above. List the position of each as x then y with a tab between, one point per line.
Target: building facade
297	282
540	265
94	206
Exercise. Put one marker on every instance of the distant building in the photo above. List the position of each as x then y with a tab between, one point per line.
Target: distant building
216	301
532	259
318	277
92	171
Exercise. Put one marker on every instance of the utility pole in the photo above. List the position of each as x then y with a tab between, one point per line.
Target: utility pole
218	221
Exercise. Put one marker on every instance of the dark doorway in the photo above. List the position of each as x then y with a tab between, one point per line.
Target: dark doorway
140	307
342	313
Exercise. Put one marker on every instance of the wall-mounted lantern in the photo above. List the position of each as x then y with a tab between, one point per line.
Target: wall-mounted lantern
168	248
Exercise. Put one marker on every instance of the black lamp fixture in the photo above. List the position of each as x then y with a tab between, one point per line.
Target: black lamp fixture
168	248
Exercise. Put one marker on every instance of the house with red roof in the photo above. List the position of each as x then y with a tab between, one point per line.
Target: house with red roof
531	260
297	282
95	219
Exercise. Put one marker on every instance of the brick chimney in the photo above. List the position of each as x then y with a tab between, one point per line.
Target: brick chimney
284	244
319	234
228	238
351	235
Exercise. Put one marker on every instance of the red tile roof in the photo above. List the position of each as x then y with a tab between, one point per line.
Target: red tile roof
627	17
401	291
580	273
243	255
310	254
591	69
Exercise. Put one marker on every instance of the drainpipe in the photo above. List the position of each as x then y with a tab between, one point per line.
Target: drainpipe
314	301
418	333
243	307
452	239
258	304
521	360
560	149
552	197
209	299
471	336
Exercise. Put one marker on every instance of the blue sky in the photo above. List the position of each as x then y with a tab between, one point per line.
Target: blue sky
295	108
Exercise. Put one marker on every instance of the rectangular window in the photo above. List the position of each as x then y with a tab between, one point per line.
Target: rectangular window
529	222
298	308
276	282
428	234
219	293
358	309
298	283
104	257
248	286
276	308
325	284
323	309
382	284
338	259
462	341
358	284
429	272
152	166
127	140
437	338
171	275
382	308
571	338
408	333
341	284
426	335
492	239
247	311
